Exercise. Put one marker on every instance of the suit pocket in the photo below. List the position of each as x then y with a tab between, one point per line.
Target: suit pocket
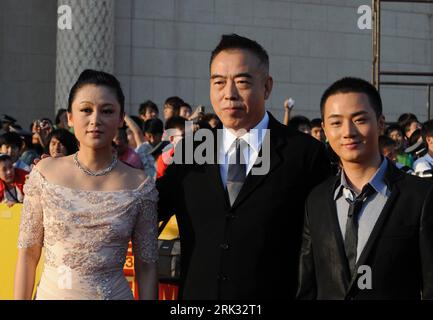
401	232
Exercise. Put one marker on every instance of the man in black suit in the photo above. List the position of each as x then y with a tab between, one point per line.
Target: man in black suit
368	233
240	215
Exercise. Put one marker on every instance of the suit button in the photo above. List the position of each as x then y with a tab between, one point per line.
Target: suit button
224	246
230	216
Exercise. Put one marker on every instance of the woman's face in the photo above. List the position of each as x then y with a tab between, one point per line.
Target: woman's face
57	149
95	116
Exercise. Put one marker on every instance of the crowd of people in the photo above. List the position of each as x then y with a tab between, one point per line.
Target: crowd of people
94	190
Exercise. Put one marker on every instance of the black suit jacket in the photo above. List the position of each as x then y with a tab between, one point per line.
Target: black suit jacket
249	250
399	250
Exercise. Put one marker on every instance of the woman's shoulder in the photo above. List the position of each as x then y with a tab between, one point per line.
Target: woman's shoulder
135	178
51	166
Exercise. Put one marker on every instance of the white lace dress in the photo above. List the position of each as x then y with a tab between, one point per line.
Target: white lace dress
86	235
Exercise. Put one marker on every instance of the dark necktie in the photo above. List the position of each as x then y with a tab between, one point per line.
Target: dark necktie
351	236
236	173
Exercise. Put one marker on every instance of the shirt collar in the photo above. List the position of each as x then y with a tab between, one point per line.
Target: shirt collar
254	137
377	182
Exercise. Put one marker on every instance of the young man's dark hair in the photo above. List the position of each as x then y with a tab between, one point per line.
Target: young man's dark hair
11	139
153	126
394	127
66	138
316	123
348	85
175	123
426	130
175	102
299	121
405	118
234	41
147	105
386	142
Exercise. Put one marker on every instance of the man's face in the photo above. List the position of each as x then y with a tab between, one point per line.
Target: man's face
397	137
12	151
7	173
57	149
317	133
185	112
153	139
352	128
168	112
413	126
390	153
150	114
239	86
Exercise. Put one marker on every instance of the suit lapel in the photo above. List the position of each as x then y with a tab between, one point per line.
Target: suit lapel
391	177
338	237
253	181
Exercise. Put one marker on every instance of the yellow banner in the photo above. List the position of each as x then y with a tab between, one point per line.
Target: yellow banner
9	228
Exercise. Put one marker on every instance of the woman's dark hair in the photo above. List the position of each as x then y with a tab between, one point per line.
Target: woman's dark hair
97	78
66	138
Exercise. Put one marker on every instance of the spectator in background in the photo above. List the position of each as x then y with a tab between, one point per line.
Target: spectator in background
317	130
212	119
395	132
11	181
41	130
62	119
61	143
148	110
175	130
300	123
126	154
29	152
6	121
425	163
185	111
388	148
172	106
409	123
134	131
11	144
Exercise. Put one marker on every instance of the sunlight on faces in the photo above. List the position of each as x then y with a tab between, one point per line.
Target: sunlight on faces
12	151
7	172
351	126
95	116
239	86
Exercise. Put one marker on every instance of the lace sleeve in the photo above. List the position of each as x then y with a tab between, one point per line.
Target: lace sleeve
145	234
31	225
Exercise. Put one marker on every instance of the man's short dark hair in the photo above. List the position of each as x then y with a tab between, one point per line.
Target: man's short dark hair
386	142
5	157
316	123
357	85
11	139
149	104
394	127
427	130
175	122
298	121
405	120
234	41
154	126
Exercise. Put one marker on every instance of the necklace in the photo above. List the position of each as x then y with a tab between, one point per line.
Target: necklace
97	173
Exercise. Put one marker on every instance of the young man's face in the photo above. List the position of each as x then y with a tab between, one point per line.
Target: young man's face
153	139
397	137
149	113
168	112
352	128
239	86
390	152
185	112
12	151
7	172
317	133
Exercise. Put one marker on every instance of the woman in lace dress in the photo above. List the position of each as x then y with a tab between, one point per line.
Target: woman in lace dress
84	208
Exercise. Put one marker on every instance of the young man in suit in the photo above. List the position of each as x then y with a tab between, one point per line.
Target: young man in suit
368	233
240	230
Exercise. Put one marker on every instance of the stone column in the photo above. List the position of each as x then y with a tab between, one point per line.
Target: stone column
89	44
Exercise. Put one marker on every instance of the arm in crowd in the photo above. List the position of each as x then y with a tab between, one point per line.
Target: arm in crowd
136	131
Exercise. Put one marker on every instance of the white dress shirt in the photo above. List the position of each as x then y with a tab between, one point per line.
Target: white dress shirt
254	139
